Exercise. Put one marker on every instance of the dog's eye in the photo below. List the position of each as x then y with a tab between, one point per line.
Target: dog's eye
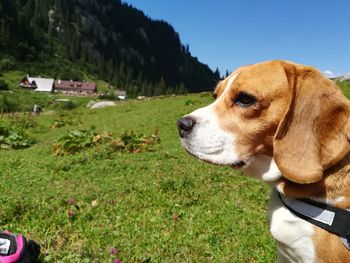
244	100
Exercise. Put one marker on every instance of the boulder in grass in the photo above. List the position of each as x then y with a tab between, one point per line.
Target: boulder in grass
103	104
90	104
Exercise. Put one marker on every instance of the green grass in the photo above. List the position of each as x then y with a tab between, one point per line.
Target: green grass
345	87
161	206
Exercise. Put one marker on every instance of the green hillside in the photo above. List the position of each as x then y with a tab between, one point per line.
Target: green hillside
159	205
107	39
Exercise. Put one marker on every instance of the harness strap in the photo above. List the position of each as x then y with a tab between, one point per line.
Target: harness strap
330	218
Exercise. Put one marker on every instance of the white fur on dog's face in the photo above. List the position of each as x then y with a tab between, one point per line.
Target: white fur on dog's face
215	140
263	167
208	141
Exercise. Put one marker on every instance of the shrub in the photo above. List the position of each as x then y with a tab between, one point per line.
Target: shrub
58	123
7	64
13	134
75	141
64	105
191	102
7	104
3	85
133	142
64	120
130	141
23	120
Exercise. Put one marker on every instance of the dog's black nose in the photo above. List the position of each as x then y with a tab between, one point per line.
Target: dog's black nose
185	125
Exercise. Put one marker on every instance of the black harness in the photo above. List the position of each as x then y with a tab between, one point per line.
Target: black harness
327	217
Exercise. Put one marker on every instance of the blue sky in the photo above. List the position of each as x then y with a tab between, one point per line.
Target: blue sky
230	33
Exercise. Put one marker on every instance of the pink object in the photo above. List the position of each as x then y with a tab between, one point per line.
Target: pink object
14	257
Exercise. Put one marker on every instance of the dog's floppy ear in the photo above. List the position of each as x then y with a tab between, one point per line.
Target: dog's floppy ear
313	134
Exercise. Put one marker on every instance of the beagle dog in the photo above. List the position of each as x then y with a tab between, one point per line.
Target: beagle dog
289	126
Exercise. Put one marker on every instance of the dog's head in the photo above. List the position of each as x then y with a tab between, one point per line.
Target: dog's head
273	119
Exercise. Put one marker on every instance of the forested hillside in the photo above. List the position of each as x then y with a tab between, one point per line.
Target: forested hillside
106	38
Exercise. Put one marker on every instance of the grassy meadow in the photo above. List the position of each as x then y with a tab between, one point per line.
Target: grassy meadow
160	205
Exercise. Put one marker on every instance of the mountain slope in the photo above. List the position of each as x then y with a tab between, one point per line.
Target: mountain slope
107	38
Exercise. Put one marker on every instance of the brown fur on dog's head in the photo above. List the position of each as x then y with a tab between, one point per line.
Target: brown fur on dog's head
297	117
313	134
288	125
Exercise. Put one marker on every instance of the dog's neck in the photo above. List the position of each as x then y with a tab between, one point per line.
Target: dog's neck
334	188
337	182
